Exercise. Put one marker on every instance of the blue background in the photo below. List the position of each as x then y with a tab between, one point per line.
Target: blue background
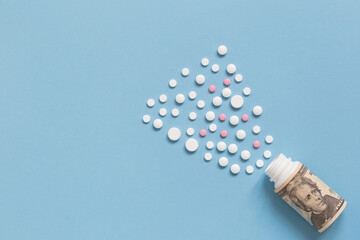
76	162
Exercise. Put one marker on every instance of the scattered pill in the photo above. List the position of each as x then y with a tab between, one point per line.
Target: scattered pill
210	145
146	118
210	116
249	169
192	116
207	156
162	112
200	104
212	88
222	50
237	101
234	120
190	131
235	168
256	129
232	148
203	132
223	161
256	144
269	139
175	112
150	102
231	68
191	145
185	72
212	127
180	98
215	68
221	146
223	133
192	95
174	134
240	134
200	79
226	92
259	163
204	62
217	101
244	117
267	154
222	117
245	154
157	123
227	82
162	98
238	78
246	91
172	83
257	110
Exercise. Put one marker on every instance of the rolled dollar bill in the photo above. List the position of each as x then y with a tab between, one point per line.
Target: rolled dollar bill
315	201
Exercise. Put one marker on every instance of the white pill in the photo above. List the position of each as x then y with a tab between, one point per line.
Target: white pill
162	98
157	123
207	156
256	129
231	68
232	148
185	72
190	131
267	154
234	120
221	146
215	68
240	134
222	50
212	127
245	154
238	78
223	161
235	168
226	92
192	116
175	112
249	169
200	104
246	91
210	145
257	110
180	98
204	62
146	118
174	134
259	163
191	145
150	102
200	79
192	95
210	116
269	139
237	101
162	112
172	83
217	101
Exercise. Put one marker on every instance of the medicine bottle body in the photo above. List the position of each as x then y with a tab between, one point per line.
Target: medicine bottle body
316	202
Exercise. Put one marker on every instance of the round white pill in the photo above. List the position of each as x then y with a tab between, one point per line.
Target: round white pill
150	102
146	118
217	101
221	146
240	134
246	91
238	78
192	95
190	131
269	139
223	161
204	62
235	168
157	123
162	112
175	112
215	68
207	156
267	154
191	145
256	129
257	110
200	104
174	134
232	148
180	98
162	98
222	50
172	83
210	145
200	79
245	154
234	120
231	68
249	169
210	116
212	127
185	72
237	101
259	163
226	92
192	116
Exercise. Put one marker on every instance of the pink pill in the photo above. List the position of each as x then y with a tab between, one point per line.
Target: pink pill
222	117
227	82
212	88
203	132
223	133
256	144
245	117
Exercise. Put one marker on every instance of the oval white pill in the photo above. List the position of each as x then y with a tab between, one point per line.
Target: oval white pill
235	168
174	134
192	95
200	79
259	163
221	146
191	145
269	139
256	129
222	50
249	169
204	62
226	92
217	101
267	154
212	127
223	161
234	120
162	98
190	131
240	134
210	145
180	98
200	104
245	154
210	116
157	123
172	83
146	118
246	91
150	102
257	110
192	116
175	112
232	148
185	72
215	68
237	101
162	112
238	78
231	68
207	156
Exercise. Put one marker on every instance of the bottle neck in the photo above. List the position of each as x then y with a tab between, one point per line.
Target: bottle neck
280	169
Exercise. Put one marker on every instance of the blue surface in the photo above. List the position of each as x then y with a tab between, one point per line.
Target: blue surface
76	162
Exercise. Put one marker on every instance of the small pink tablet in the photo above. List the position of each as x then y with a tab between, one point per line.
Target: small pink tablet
256	144
212	88
203	132
223	133
227	82
245	117
222	117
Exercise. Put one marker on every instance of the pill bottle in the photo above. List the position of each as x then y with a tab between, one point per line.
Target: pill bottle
316	202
